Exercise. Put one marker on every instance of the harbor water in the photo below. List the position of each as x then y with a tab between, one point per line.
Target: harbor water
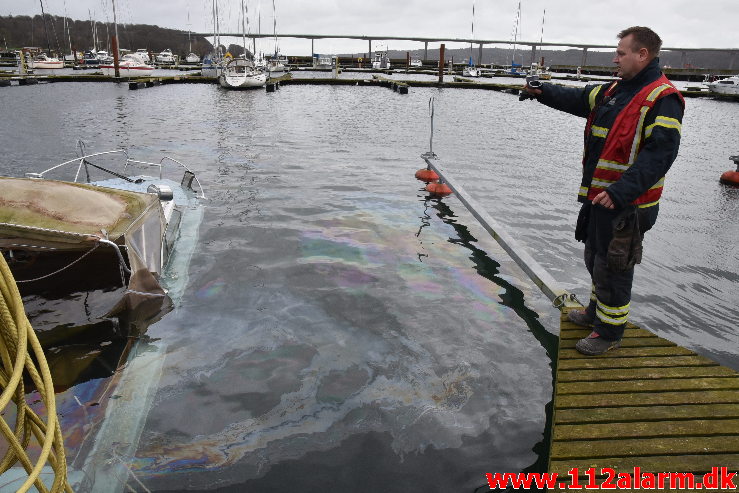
337	329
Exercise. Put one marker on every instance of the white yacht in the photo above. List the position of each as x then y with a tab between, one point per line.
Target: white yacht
143	53
381	61
131	65
277	63
727	86
240	73
42	61
165	57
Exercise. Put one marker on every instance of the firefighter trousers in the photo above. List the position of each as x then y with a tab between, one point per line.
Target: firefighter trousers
610	297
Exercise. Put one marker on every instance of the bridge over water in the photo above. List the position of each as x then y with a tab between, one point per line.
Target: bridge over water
731	52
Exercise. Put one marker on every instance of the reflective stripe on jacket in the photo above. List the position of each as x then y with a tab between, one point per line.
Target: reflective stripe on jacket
625	138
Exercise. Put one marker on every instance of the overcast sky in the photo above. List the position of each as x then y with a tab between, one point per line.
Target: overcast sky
680	23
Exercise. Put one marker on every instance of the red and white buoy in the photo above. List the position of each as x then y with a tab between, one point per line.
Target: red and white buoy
731	177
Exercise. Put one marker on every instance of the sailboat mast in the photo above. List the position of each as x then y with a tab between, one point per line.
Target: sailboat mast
214	27
473	27
274	26
515	35
189	41
46	32
543	16
68	30
217	24
243	26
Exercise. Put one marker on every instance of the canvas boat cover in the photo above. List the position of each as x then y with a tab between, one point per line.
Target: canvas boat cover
47	216
42	214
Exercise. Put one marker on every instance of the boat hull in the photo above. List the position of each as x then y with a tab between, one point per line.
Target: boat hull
46	65
242	81
109	70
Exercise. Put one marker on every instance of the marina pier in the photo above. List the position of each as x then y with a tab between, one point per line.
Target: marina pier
650	406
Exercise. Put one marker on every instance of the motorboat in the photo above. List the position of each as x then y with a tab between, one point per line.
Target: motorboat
104	57
728	86
192	58
96	264
540	71
277	63
42	61
143	53
381	61
131	65
416	63
324	61
113	233
73	56
90	58
165	57
240	73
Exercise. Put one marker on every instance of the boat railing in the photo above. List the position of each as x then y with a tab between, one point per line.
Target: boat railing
83	161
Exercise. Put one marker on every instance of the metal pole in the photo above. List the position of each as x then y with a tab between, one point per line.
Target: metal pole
531	267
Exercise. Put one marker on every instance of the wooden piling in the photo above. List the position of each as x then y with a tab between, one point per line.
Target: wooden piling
441	63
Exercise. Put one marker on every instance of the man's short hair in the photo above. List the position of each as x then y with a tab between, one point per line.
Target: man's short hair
643	38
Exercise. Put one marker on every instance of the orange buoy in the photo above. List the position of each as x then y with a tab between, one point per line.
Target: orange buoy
730	178
440	189
427	175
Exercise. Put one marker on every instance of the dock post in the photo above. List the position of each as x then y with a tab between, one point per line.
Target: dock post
479	54
425	50
441	63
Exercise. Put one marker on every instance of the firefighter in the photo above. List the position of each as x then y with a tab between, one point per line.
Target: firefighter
632	136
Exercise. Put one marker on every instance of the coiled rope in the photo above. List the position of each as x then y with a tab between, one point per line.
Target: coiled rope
21	352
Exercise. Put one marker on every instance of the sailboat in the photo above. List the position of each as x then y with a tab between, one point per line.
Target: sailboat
44	61
240	73
191	57
277	63
516	69
470	70
213	63
538	69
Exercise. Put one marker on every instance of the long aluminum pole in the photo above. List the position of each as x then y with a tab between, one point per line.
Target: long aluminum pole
548	285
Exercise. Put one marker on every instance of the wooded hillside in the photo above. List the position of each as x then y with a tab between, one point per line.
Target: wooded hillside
21	31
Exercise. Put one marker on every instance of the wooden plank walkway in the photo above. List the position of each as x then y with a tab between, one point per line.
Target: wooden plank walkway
650	404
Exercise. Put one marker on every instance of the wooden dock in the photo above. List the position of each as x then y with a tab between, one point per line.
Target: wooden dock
400	86
650	404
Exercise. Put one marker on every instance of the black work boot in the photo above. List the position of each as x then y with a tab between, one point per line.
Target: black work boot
580	317
594	344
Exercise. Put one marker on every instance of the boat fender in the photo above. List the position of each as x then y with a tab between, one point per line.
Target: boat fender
163	191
